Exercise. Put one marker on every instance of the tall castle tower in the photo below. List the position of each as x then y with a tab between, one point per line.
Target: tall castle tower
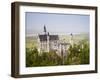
45	31
48	42
71	39
47	36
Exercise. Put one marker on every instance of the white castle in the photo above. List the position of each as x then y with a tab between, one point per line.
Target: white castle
49	43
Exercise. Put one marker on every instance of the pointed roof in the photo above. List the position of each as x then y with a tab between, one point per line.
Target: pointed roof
43	37
45	29
51	37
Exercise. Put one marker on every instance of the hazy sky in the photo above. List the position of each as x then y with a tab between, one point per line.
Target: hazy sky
56	23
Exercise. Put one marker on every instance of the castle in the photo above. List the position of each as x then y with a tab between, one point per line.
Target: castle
49	43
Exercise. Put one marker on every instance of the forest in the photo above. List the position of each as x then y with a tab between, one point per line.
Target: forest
77	54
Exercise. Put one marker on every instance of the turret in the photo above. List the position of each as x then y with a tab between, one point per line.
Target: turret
45	31
71	39
48	42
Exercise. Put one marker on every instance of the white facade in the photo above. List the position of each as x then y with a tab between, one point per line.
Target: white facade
48	45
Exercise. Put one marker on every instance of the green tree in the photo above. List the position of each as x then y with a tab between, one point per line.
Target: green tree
78	53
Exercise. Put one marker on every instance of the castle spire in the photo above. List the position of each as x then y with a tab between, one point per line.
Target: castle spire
45	29
71	40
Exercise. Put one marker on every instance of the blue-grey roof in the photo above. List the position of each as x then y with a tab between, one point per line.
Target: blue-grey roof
51	37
